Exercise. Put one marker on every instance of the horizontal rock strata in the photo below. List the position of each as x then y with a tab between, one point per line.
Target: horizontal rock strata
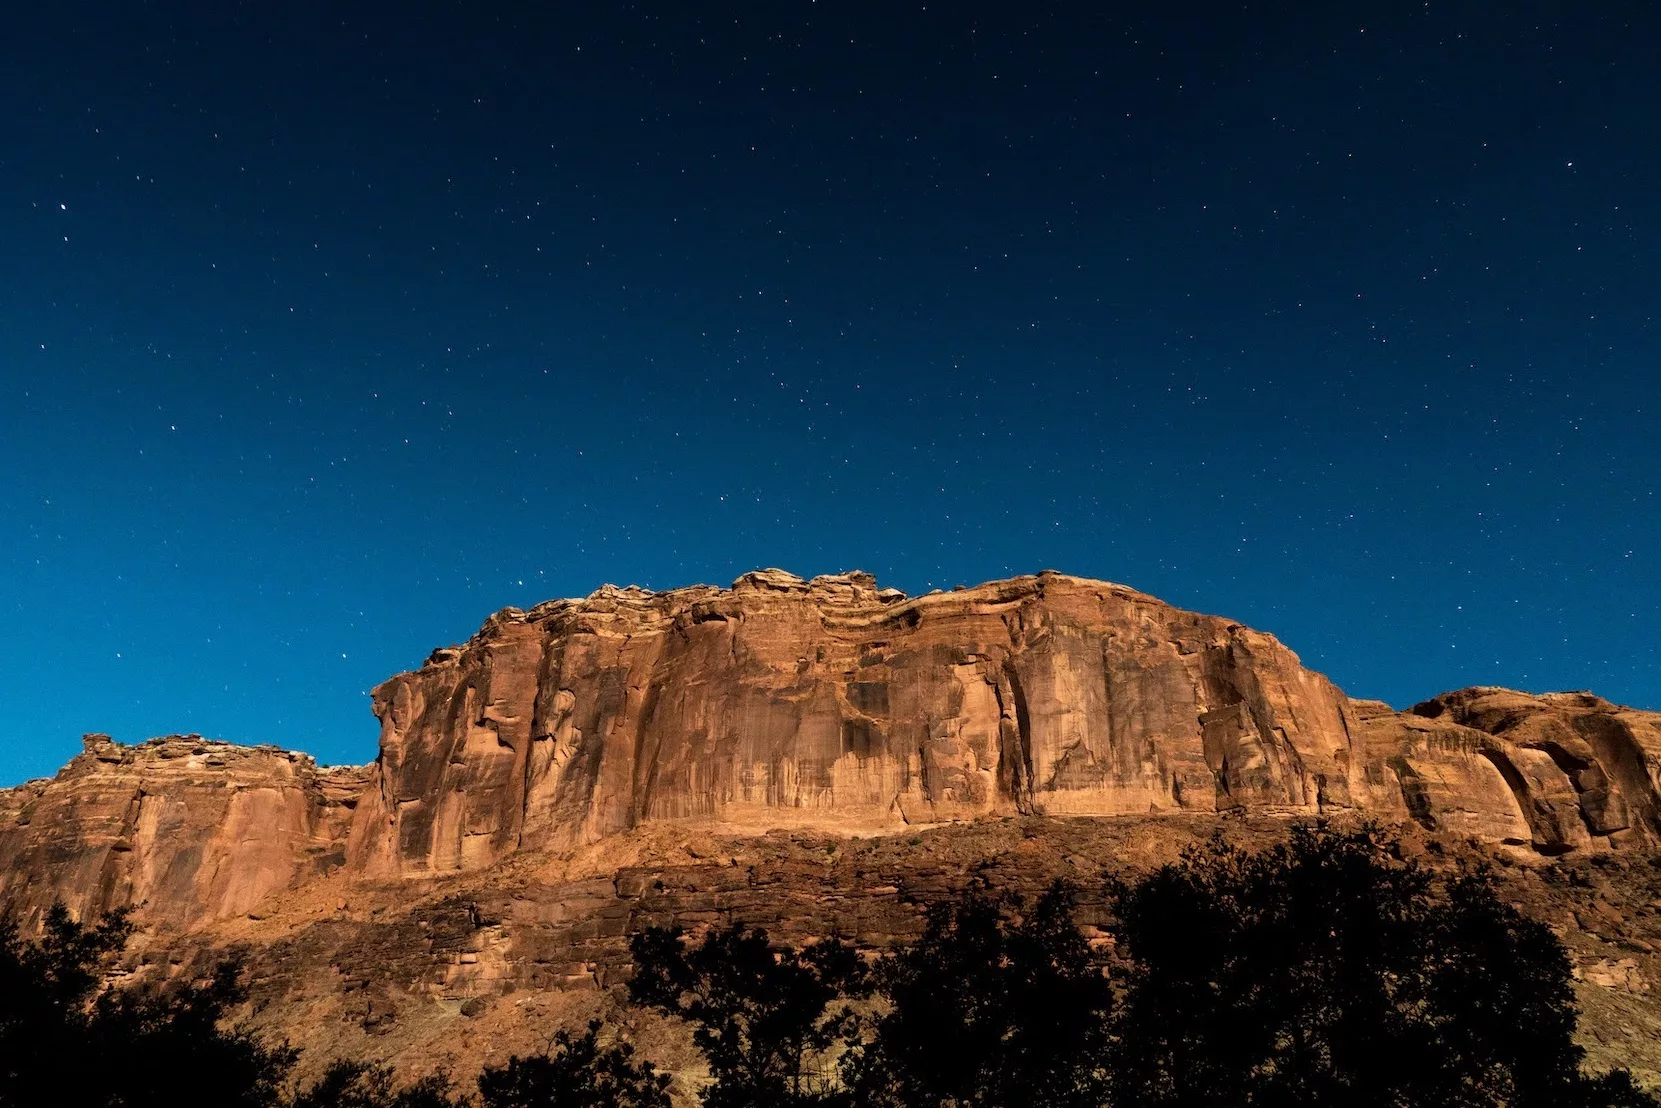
182	829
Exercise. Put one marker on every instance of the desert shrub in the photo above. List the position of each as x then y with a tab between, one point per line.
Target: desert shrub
67	1038
993	1006
577	1073
1327	970
767	1021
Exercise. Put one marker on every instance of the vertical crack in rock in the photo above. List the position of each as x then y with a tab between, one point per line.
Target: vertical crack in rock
1413	792
1286	776
648	753
542	764
115	879
1017	746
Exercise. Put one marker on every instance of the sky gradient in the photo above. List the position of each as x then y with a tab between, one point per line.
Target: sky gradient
326	330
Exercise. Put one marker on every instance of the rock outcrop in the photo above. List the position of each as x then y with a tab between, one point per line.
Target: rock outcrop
804	756
832	704
1584	771
828	706
181	828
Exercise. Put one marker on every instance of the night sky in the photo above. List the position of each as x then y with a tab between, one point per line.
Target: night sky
328	329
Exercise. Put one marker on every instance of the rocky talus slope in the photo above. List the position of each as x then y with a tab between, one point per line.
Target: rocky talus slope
803	755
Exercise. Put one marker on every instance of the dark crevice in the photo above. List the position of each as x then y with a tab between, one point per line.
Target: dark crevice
1023	725
646	784
1622	759
541	730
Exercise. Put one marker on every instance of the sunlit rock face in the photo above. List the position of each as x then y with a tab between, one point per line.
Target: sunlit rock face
182	828
833	704
827	706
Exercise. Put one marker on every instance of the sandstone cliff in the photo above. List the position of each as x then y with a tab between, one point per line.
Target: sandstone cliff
803	756
181	828
826	705
832	704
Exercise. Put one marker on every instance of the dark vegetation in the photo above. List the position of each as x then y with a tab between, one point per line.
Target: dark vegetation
992	1006
766	1023
67	1038
1326	971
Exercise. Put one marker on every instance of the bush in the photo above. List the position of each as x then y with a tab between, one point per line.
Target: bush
578	1074
990	1007
356	1084
1319	972
1327	971
67	1039
764	1018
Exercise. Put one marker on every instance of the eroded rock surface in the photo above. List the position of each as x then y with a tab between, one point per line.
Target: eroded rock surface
828	705
1596	765
181	828
801	755
831	703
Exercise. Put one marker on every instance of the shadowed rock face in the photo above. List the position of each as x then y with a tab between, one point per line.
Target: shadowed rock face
1584	771
828	706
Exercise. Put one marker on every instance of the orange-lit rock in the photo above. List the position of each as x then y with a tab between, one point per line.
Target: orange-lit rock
768	754
1583	769
831	704
182	828
827	706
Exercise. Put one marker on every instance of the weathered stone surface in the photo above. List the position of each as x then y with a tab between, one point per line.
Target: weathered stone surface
1443	775
829	703
803	756
182	828
1599	763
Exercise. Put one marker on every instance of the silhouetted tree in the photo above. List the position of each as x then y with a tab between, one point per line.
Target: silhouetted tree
166	1048
68	1039
1611	1090
576	1074
357	1084
46	989
765	1020
992	1006
347	1084
1327	971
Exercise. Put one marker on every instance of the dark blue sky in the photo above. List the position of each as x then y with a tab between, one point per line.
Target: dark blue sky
326	330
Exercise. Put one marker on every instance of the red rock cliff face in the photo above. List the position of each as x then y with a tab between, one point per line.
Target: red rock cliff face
182	828
829	705
834	704
1584	772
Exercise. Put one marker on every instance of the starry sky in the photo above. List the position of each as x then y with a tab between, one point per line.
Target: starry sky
328	329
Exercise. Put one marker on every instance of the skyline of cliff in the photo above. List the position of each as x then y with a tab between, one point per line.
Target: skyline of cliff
888	593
